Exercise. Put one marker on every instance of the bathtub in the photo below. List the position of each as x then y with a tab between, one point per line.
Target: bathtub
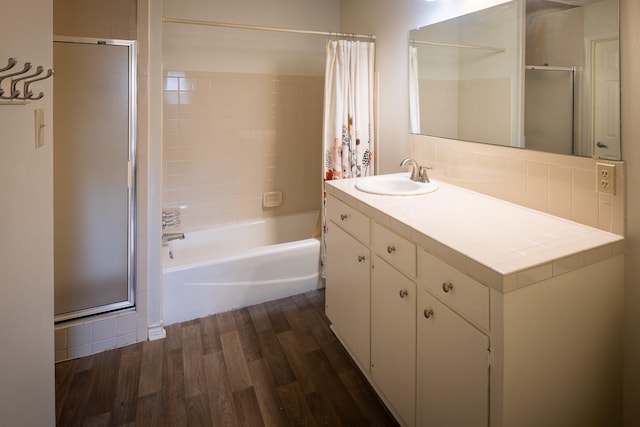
237	265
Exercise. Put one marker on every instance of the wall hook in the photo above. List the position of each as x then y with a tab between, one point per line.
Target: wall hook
11	91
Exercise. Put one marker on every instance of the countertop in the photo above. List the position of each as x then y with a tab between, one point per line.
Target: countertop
501	244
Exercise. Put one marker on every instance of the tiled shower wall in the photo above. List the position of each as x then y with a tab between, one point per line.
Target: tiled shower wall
230	137
560	185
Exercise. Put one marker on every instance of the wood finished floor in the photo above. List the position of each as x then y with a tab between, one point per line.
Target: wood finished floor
272	364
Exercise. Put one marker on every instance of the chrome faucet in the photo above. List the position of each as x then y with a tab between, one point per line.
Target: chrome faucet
418	173
167	237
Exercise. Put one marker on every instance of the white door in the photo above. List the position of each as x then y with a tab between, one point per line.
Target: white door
347	291
452	368
606	99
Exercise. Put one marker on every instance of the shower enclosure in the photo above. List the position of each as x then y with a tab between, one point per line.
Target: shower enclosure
94	170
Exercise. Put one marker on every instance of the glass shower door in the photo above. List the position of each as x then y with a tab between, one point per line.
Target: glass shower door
94	149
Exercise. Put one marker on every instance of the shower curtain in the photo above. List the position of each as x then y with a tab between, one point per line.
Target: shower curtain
414	91
348	137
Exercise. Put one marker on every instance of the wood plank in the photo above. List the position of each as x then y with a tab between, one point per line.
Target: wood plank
124	401
278	363
174	337
151	368
323	410
173	389
273	414
330	345
366	399
221	404
226	322
328	384
102	420
295	355
248	408
234	359
302	329
149	410
278	321
260	318
295	405
198	412
194	379
248	335
210	336
104	387
77	399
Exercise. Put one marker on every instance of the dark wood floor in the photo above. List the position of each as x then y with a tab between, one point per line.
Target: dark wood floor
272	364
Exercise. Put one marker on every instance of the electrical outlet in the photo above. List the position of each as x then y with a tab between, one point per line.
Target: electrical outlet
606	178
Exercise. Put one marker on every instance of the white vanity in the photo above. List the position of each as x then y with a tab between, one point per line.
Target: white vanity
464	310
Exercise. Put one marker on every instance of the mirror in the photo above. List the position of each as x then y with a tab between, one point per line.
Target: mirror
536	74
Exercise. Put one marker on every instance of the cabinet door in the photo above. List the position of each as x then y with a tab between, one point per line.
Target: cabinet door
453	369
393	338
347	294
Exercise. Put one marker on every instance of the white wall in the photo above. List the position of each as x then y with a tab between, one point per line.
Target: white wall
27	396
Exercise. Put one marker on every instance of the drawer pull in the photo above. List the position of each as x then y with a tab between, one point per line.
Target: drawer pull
446	286
361	258
391	249
403	293
344	216
428	313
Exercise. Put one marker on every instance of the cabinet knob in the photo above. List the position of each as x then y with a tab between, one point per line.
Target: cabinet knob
361	258
446	286
403	293
428	313
391	249
343	216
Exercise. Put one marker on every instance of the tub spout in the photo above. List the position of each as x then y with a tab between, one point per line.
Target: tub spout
167	237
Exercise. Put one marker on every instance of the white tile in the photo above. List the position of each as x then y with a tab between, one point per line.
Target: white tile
79	335
103	345
104	329
61	355
122	340
60	338
126	324
79	351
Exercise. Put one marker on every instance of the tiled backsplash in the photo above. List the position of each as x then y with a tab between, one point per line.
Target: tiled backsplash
230	137
560	185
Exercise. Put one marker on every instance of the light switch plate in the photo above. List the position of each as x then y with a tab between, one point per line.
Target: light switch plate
39	127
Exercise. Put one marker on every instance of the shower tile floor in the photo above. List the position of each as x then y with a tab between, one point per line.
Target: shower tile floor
271	364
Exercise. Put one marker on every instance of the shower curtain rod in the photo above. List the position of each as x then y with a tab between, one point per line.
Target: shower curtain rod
257	27
463	46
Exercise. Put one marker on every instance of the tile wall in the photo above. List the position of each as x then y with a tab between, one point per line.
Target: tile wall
230	137
560	185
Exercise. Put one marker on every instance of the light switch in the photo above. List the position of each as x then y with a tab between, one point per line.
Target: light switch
39	127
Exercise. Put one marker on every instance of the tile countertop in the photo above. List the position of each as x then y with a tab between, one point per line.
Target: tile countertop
500	244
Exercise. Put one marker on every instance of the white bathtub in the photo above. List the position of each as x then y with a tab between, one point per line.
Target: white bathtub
237	265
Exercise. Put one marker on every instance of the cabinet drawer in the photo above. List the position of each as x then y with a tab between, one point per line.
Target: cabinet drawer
348	218
465	295
396	250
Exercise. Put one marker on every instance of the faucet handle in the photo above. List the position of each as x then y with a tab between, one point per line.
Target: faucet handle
423	176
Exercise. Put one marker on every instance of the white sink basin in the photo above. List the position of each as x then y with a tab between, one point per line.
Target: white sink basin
394	185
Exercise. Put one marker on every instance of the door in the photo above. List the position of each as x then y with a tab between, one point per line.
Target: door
347	291
393	338
94	150
606	99
452	368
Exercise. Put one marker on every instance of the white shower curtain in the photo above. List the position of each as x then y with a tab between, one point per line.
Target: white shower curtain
348	136
348	128
414	91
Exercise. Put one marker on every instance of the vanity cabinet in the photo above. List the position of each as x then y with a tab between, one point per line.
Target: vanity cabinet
453	355
393	337
446	340
348	266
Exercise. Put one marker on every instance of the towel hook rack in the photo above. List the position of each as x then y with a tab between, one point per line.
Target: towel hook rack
10	92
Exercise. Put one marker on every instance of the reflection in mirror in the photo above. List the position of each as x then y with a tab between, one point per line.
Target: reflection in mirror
471	80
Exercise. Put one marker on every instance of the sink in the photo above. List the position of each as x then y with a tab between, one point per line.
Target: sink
394	185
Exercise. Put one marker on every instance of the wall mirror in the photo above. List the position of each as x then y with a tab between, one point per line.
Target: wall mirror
536	74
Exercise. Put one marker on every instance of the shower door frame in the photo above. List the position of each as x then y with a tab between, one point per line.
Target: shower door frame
130	302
